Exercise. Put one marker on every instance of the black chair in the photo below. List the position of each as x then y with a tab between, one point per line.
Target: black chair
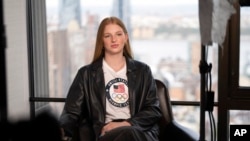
170	130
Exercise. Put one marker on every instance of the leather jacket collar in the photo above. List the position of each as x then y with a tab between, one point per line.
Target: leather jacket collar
97	65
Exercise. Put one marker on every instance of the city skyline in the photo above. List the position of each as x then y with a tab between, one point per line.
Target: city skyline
172	51
146	8
133	2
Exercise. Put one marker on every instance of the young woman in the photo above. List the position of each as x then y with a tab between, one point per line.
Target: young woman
113	98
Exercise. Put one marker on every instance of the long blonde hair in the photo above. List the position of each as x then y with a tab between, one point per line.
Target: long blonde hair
99	45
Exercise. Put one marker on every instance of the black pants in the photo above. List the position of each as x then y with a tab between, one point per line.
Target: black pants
127	133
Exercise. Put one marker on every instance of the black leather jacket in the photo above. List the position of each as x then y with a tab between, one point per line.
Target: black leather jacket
85	102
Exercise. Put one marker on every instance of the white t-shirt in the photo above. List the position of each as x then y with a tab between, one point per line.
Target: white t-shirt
117	97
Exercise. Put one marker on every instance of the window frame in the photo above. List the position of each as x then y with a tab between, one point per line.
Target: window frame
237	91
231	95
38	57
38	60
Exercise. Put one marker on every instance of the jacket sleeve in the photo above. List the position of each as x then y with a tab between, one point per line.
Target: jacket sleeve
73	106
147	108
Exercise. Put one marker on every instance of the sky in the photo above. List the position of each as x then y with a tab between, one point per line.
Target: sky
133	2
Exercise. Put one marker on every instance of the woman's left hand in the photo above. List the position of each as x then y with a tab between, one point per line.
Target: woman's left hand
112	125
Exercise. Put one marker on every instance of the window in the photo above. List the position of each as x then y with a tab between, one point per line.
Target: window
244	79
239	117
166	37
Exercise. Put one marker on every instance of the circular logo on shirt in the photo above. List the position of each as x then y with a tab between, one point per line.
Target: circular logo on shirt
117	92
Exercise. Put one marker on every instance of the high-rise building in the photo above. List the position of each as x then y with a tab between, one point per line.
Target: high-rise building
121	9
69	10
59	64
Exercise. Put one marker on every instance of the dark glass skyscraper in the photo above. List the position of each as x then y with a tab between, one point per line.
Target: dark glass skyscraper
121	9
69	10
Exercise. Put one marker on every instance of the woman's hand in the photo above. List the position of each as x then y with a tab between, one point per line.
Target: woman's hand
64	138
113	125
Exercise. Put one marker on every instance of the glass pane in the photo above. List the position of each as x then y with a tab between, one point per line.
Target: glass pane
239	117
163	33
244	77
71	30
166	37
186	116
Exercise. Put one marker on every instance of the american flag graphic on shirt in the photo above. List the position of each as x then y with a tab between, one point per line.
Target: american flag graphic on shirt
119	88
